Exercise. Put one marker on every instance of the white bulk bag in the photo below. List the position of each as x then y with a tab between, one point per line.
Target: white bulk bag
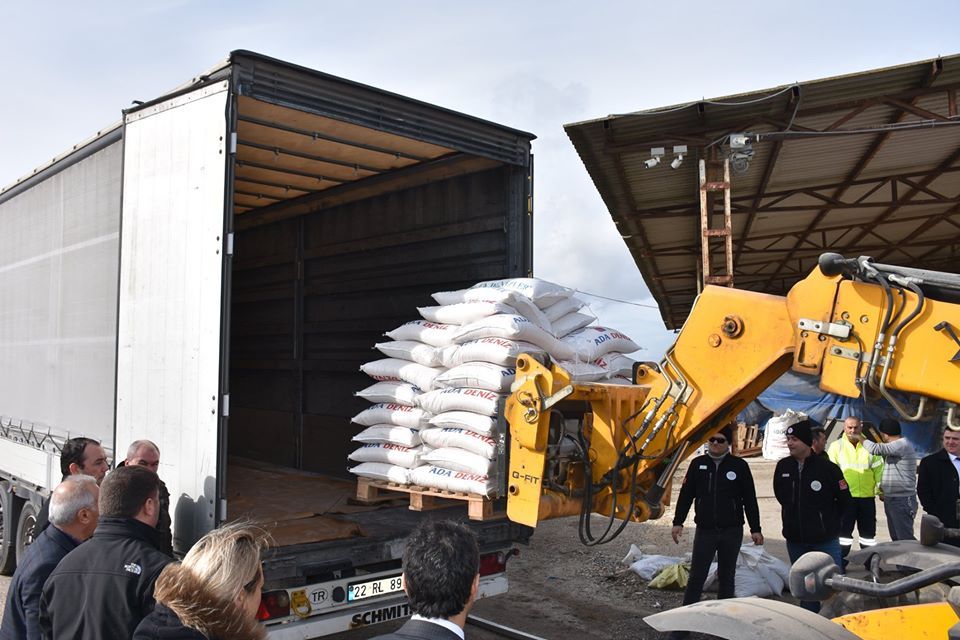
468	420
479	375
434	334
458	460
382	471
390	413
395	369
389	453
396	392
514	327
448	480
590	343
471	441
775	434
501	351
570	323
480	401
562	307
411	350
464	312
404	436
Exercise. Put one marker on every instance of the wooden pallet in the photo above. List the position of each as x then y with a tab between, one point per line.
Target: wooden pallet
424	499
746	442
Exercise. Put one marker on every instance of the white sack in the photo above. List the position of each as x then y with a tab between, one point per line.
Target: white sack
390	413
395	392
514	327
382	471
775	434
448	480
478	375
458	460
395	369
501	351
583	371
562	307
590	343
464	312
647	566
479	401
541	292
468	420
450	437
758	573
404	436
411	350
434	334
616	364
570	323
389	453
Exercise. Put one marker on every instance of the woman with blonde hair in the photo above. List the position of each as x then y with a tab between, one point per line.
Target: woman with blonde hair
214	593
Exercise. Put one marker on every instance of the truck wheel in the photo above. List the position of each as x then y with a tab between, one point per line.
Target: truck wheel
9	519
26	529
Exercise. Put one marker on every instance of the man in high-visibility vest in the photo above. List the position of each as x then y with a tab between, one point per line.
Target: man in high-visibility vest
862	471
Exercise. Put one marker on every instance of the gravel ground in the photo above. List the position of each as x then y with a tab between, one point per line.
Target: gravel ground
561	589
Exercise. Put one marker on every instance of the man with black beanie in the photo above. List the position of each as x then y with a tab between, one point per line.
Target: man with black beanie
898	485
813	495
722	486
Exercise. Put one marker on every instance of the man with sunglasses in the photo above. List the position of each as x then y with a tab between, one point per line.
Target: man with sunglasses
722	487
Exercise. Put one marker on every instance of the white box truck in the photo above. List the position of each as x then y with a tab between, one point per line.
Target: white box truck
210	273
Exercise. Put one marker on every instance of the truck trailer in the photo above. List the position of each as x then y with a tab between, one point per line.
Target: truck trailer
210	272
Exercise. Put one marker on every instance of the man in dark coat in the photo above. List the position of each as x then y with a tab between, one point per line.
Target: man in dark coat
73	517
938	482
146	454
813	495
722	486
441	573
115	570
77	456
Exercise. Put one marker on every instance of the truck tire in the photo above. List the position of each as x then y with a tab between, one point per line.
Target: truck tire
26	529
10	507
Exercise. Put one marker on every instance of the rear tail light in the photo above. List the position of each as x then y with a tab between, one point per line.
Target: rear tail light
492	563
273	604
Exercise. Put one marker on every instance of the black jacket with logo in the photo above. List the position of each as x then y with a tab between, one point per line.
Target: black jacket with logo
104	587
721	493
812	500
938	487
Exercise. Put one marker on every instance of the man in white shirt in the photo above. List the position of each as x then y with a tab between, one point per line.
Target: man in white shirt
938	482
441	575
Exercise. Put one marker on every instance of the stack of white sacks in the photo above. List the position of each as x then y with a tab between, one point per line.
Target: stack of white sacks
439	389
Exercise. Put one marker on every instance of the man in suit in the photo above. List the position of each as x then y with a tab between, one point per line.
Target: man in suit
441	573
73	517
938	482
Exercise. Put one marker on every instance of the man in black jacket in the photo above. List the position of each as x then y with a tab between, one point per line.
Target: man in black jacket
722	487
77	456
114	572
73	517
813	495
938	482
441	575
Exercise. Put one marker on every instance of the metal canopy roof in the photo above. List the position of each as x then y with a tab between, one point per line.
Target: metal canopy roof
812	186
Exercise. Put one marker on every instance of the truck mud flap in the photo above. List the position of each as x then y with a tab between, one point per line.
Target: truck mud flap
907	553
749	619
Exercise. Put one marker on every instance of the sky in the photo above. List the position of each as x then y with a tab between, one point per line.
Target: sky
69	68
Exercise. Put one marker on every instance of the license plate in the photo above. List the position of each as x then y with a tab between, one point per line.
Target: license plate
369	589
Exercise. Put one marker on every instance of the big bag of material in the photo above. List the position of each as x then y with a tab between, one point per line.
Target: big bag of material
395	369
389	433
775	434
388	453
520	305
382	471
480	401
570	323
389	413
590	343
411	350
449	480
514	327
562	307
541	292
501	351
434	334
464	312
478	375
471	441
396	392
458	460
478	423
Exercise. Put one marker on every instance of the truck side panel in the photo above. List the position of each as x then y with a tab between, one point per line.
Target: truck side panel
59	240
171	260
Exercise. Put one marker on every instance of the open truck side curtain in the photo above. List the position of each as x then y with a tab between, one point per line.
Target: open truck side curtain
211	273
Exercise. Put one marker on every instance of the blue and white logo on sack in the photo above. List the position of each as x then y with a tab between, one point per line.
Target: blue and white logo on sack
133	567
